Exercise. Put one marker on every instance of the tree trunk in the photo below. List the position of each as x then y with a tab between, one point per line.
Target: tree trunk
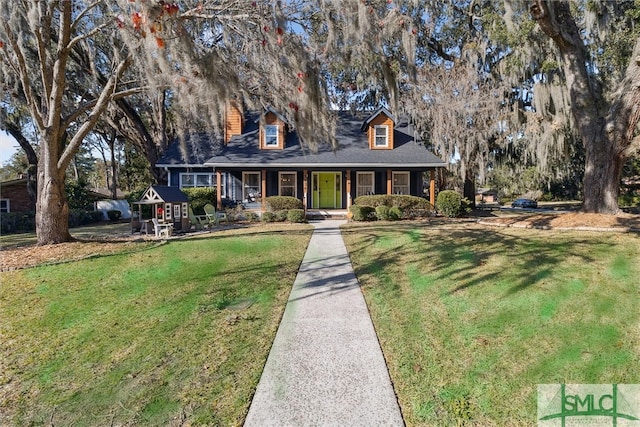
469	189
588	105
52	209
602	175
114	168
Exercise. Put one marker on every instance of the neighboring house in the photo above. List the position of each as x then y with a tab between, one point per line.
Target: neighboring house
377	154
14	196
486	195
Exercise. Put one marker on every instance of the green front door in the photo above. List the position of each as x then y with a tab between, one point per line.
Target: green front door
327	192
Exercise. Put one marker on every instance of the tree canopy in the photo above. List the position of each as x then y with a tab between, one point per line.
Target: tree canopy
476	77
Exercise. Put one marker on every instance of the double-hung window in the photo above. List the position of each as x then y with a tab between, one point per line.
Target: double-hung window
288	184
400	183
364	183
4	205
271	136
381	136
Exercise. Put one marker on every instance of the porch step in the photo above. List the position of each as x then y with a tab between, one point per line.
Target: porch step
319	214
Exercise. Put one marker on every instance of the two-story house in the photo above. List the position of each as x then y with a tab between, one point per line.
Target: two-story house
261	157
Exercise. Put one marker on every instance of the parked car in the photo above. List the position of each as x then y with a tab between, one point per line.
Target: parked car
524	203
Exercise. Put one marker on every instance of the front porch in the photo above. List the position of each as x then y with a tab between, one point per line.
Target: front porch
320	190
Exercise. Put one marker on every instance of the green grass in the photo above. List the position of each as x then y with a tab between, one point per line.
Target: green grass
471	319
174	334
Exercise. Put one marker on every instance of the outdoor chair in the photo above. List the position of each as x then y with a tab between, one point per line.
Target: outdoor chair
214	217
162	228
198	221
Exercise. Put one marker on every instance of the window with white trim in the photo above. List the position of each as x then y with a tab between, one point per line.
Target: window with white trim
381	136
4	206
365	183
251	184
271	135
287	184
190	180
400	183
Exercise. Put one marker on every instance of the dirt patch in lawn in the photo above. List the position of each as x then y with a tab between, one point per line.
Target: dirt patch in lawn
572	220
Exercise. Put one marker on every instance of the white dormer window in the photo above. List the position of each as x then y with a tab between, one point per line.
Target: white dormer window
381	136
271	135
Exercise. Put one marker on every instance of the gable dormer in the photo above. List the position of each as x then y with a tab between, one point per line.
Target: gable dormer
379	127
272	130
233	120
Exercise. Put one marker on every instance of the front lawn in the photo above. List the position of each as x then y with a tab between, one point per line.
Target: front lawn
173	335
471	319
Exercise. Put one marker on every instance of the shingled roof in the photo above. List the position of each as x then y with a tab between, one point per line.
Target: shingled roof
352	151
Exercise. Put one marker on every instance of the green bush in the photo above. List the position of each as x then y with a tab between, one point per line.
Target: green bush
280	203
374	200
449	203
382	212
281	216
395	213
17	222
114	215
78	217
411	206
269	217
200	196
251	216
296	215
362	213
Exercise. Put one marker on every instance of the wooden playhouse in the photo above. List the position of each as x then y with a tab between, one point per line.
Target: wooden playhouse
169	205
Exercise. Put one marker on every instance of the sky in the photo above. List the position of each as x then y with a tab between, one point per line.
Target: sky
8	146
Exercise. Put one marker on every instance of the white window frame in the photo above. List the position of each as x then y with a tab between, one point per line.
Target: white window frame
245	185
269	140
362	190
377	137
211	181
7	206
394	186
293	185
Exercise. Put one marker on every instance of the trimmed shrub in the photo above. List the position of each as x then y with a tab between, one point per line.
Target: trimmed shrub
200	196
114	214
281	216
362	213
374	200
283	203
411	206
382	212
395	213
268	217
17	222
296	215
251	216
449	203
78	217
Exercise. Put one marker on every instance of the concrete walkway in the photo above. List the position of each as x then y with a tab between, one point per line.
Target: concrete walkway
325	367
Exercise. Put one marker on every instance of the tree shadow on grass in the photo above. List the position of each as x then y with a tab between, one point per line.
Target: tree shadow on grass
458	253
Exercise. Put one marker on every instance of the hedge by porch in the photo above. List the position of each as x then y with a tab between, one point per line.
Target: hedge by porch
410	206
